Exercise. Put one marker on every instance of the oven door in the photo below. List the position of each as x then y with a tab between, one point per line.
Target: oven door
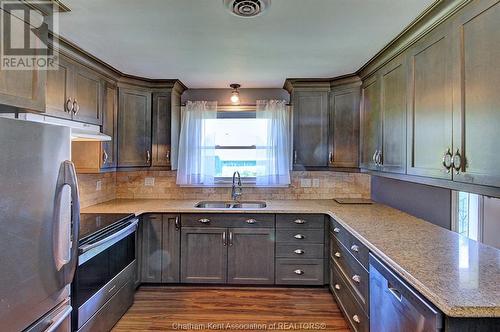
105	265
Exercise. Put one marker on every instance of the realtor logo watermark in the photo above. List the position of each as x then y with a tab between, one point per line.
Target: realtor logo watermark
24	35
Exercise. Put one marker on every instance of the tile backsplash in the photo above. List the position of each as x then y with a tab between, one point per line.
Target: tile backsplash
98	188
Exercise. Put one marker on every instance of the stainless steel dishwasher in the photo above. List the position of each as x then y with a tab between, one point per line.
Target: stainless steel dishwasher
395	306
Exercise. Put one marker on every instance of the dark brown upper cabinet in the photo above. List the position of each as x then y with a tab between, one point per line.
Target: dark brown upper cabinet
162	103
343	132
370	122
430	116
74	92
110	126
134	127
476	100
23	89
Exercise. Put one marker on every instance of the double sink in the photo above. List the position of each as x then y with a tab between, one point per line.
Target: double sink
230	205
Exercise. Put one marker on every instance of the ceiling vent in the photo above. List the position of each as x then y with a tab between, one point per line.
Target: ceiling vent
247	8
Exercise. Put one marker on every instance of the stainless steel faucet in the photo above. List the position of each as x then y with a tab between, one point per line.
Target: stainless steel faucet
236	192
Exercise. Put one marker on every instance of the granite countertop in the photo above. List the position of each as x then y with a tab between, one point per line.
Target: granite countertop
460	276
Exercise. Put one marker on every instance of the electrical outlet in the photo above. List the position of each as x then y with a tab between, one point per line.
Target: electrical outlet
149	182
305	183
98	185
315	183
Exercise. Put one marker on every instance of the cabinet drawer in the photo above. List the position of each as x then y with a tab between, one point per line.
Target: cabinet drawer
356	275
299	271
228	220
300	236
356	317
299	250
355	247
300	221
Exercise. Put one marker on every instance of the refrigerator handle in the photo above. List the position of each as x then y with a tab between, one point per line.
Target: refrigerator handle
67	177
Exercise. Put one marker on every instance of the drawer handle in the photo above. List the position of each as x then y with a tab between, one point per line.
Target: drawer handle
299	251
337	254
355	248
299	272
337	286
299	221
356	278
250	221
336	230
356	319
204	220
299	236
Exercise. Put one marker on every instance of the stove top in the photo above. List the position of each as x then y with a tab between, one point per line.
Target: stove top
90	223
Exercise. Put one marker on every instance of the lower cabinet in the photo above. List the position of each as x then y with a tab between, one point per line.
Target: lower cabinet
227	255
160	248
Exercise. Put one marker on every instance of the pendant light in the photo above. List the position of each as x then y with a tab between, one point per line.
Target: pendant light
235	95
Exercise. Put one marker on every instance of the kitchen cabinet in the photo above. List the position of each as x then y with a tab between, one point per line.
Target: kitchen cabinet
370	122
344	126
227	248
22	89
393	78
162	102
160	248
74	92
250	257
134	128
476	101
430	105
310	128
203	255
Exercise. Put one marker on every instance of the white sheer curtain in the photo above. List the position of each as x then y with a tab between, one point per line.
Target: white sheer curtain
196	160
273	155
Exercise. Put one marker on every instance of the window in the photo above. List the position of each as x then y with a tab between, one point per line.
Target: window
236	136
468	215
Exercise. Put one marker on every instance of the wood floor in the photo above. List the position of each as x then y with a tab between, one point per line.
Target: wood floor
183	308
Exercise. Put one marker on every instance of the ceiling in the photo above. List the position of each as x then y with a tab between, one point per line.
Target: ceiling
203	45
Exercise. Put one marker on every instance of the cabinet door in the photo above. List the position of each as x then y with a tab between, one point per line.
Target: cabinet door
430	116
370	122
476	94
161	129
88	96
134	128
250	256
58	95
171	249
393	85
344	127
21	88
151	257
109	125
310	142
203	255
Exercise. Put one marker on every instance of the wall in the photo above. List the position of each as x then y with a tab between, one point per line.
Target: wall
247	96
89	195
329	185
429	203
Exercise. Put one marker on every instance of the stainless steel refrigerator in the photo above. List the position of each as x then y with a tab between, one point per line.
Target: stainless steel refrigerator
39	216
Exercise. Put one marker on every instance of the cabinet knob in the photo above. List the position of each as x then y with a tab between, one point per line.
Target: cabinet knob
299	251
336	230
295	156
330	157
356	319
76	107
250	221
177	223
204	220
337	254
355	248
224	243
337	286
104	156
299	236
299	221
69	105
167	155
148	157
299	272
447	160
457	162
356	278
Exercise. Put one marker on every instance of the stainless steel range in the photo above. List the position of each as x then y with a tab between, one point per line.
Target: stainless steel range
103	287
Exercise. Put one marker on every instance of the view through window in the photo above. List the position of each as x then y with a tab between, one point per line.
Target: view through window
468	215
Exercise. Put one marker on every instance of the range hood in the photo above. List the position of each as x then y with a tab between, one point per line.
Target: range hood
79	131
